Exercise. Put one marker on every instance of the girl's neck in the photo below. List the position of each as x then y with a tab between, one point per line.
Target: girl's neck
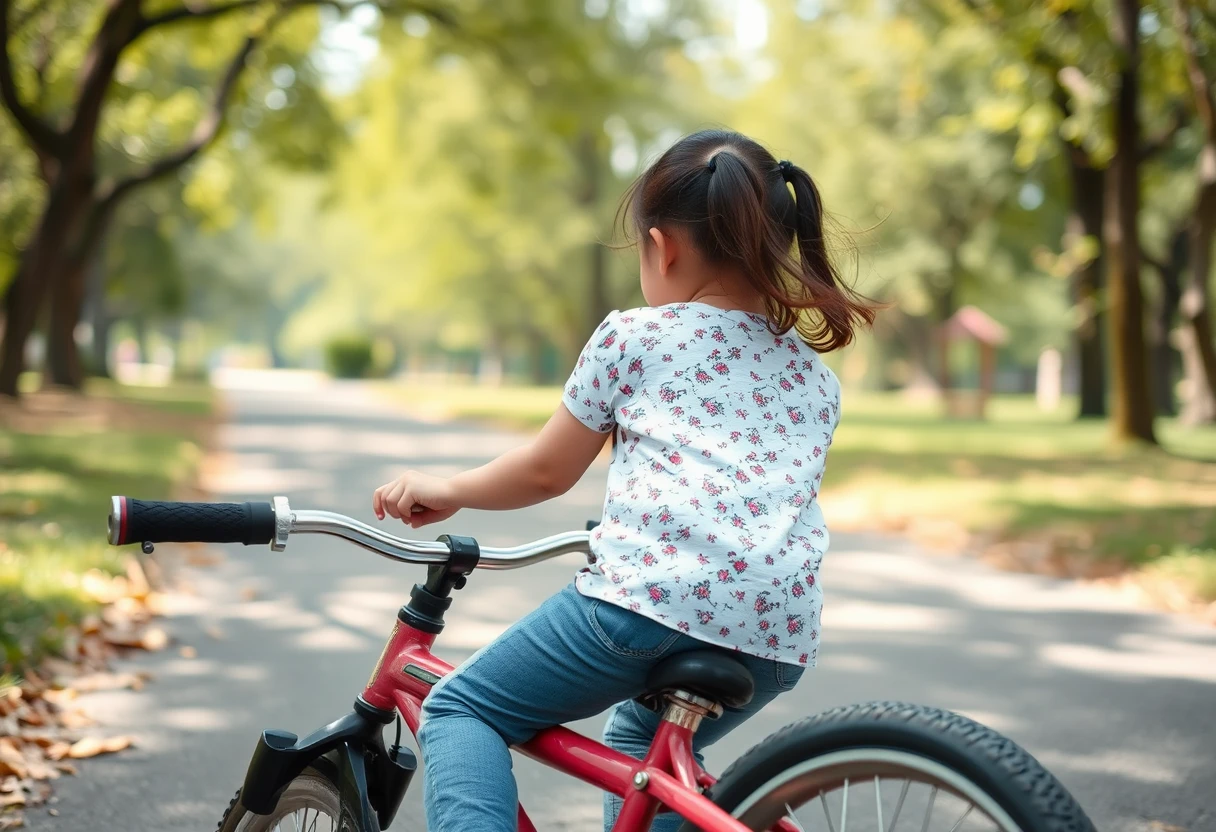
722	299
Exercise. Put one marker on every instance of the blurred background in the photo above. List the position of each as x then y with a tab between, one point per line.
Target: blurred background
408	206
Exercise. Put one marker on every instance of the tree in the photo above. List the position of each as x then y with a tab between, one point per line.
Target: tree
1132	414
1198	347
64	124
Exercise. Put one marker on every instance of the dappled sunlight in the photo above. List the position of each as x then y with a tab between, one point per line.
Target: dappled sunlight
845	617
1196	664
329	638
194	719
1137	765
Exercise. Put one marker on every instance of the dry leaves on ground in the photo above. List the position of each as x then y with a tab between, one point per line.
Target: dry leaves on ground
40	722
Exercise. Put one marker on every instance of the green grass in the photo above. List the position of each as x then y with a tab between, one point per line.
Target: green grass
1026	475
1020	476
56	478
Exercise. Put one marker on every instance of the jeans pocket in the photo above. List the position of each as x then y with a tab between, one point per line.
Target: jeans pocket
627	633
788	675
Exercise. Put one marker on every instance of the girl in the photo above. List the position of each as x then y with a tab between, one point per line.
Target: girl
711	533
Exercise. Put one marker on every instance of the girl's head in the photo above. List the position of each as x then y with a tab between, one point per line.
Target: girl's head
717	213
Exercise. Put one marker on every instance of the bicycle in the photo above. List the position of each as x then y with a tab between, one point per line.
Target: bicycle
940	761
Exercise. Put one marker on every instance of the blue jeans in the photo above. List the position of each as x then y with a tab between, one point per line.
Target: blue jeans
570	659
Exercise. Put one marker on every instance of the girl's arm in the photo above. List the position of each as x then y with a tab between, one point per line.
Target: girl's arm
544	468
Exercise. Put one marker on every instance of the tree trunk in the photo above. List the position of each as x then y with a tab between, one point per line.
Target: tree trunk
1163	358
1132	417
1085	220
1195	342
99	318
599	304
63	365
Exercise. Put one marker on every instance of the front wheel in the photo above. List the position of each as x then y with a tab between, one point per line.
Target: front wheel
891	767
311	803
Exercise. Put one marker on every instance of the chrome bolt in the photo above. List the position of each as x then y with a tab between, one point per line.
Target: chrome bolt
641	780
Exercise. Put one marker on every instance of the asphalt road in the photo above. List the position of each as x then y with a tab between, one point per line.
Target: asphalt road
1119	702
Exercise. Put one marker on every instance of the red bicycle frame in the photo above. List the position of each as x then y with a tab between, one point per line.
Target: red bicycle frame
668	777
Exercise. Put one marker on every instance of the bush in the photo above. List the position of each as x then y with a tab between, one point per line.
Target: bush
349	356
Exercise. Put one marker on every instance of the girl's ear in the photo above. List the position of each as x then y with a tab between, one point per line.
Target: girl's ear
665	250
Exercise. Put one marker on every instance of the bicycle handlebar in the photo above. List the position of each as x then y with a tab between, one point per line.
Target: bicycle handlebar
153	521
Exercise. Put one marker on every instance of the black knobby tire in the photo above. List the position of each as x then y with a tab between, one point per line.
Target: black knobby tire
315	789
1032	798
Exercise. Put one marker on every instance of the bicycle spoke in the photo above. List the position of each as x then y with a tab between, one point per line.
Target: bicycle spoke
899	804
826	813
929	811
790	817
878	801
844	809
963	818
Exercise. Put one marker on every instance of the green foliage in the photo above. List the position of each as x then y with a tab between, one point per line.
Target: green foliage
349	356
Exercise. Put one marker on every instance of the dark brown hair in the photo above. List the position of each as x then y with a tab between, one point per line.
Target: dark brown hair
731	197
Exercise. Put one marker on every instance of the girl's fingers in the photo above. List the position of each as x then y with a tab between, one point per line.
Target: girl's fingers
378	503
392	497
405	505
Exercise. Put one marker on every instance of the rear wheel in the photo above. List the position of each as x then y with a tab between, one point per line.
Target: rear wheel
311	803
889	767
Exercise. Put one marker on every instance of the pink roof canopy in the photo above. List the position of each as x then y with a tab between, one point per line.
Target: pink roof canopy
971	322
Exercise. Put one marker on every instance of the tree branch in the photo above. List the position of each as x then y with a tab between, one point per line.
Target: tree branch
41	136
1201	85
200	12
209	128
1156	144
196	12
204	133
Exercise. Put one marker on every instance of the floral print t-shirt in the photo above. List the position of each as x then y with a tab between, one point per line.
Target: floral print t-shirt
711	523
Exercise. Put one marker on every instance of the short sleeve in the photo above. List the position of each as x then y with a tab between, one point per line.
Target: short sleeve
592	392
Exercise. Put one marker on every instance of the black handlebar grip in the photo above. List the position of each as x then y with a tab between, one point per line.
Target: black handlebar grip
154	521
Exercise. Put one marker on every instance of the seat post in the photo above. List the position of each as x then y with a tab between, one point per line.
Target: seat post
687	709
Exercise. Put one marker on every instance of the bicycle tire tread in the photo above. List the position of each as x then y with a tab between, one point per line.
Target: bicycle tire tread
1052	806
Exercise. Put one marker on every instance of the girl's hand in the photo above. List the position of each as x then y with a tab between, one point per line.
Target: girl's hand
415	499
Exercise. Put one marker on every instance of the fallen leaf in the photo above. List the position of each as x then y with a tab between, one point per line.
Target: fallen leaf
187	652
66	768
249	593
15	822
87	747
1162	826
154	638
12	761
214	632
92	746
91	624
114	744
60	697
53	812
58	751
41	771
75	718
16	798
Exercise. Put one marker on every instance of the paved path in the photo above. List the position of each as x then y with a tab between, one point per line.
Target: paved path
1120	703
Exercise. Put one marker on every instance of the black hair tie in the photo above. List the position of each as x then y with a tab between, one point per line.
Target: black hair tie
786	168
712	164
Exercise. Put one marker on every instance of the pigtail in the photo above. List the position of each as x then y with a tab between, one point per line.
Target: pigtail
841	310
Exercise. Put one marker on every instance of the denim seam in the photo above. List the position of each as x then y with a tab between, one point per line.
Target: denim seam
624	651
781	679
